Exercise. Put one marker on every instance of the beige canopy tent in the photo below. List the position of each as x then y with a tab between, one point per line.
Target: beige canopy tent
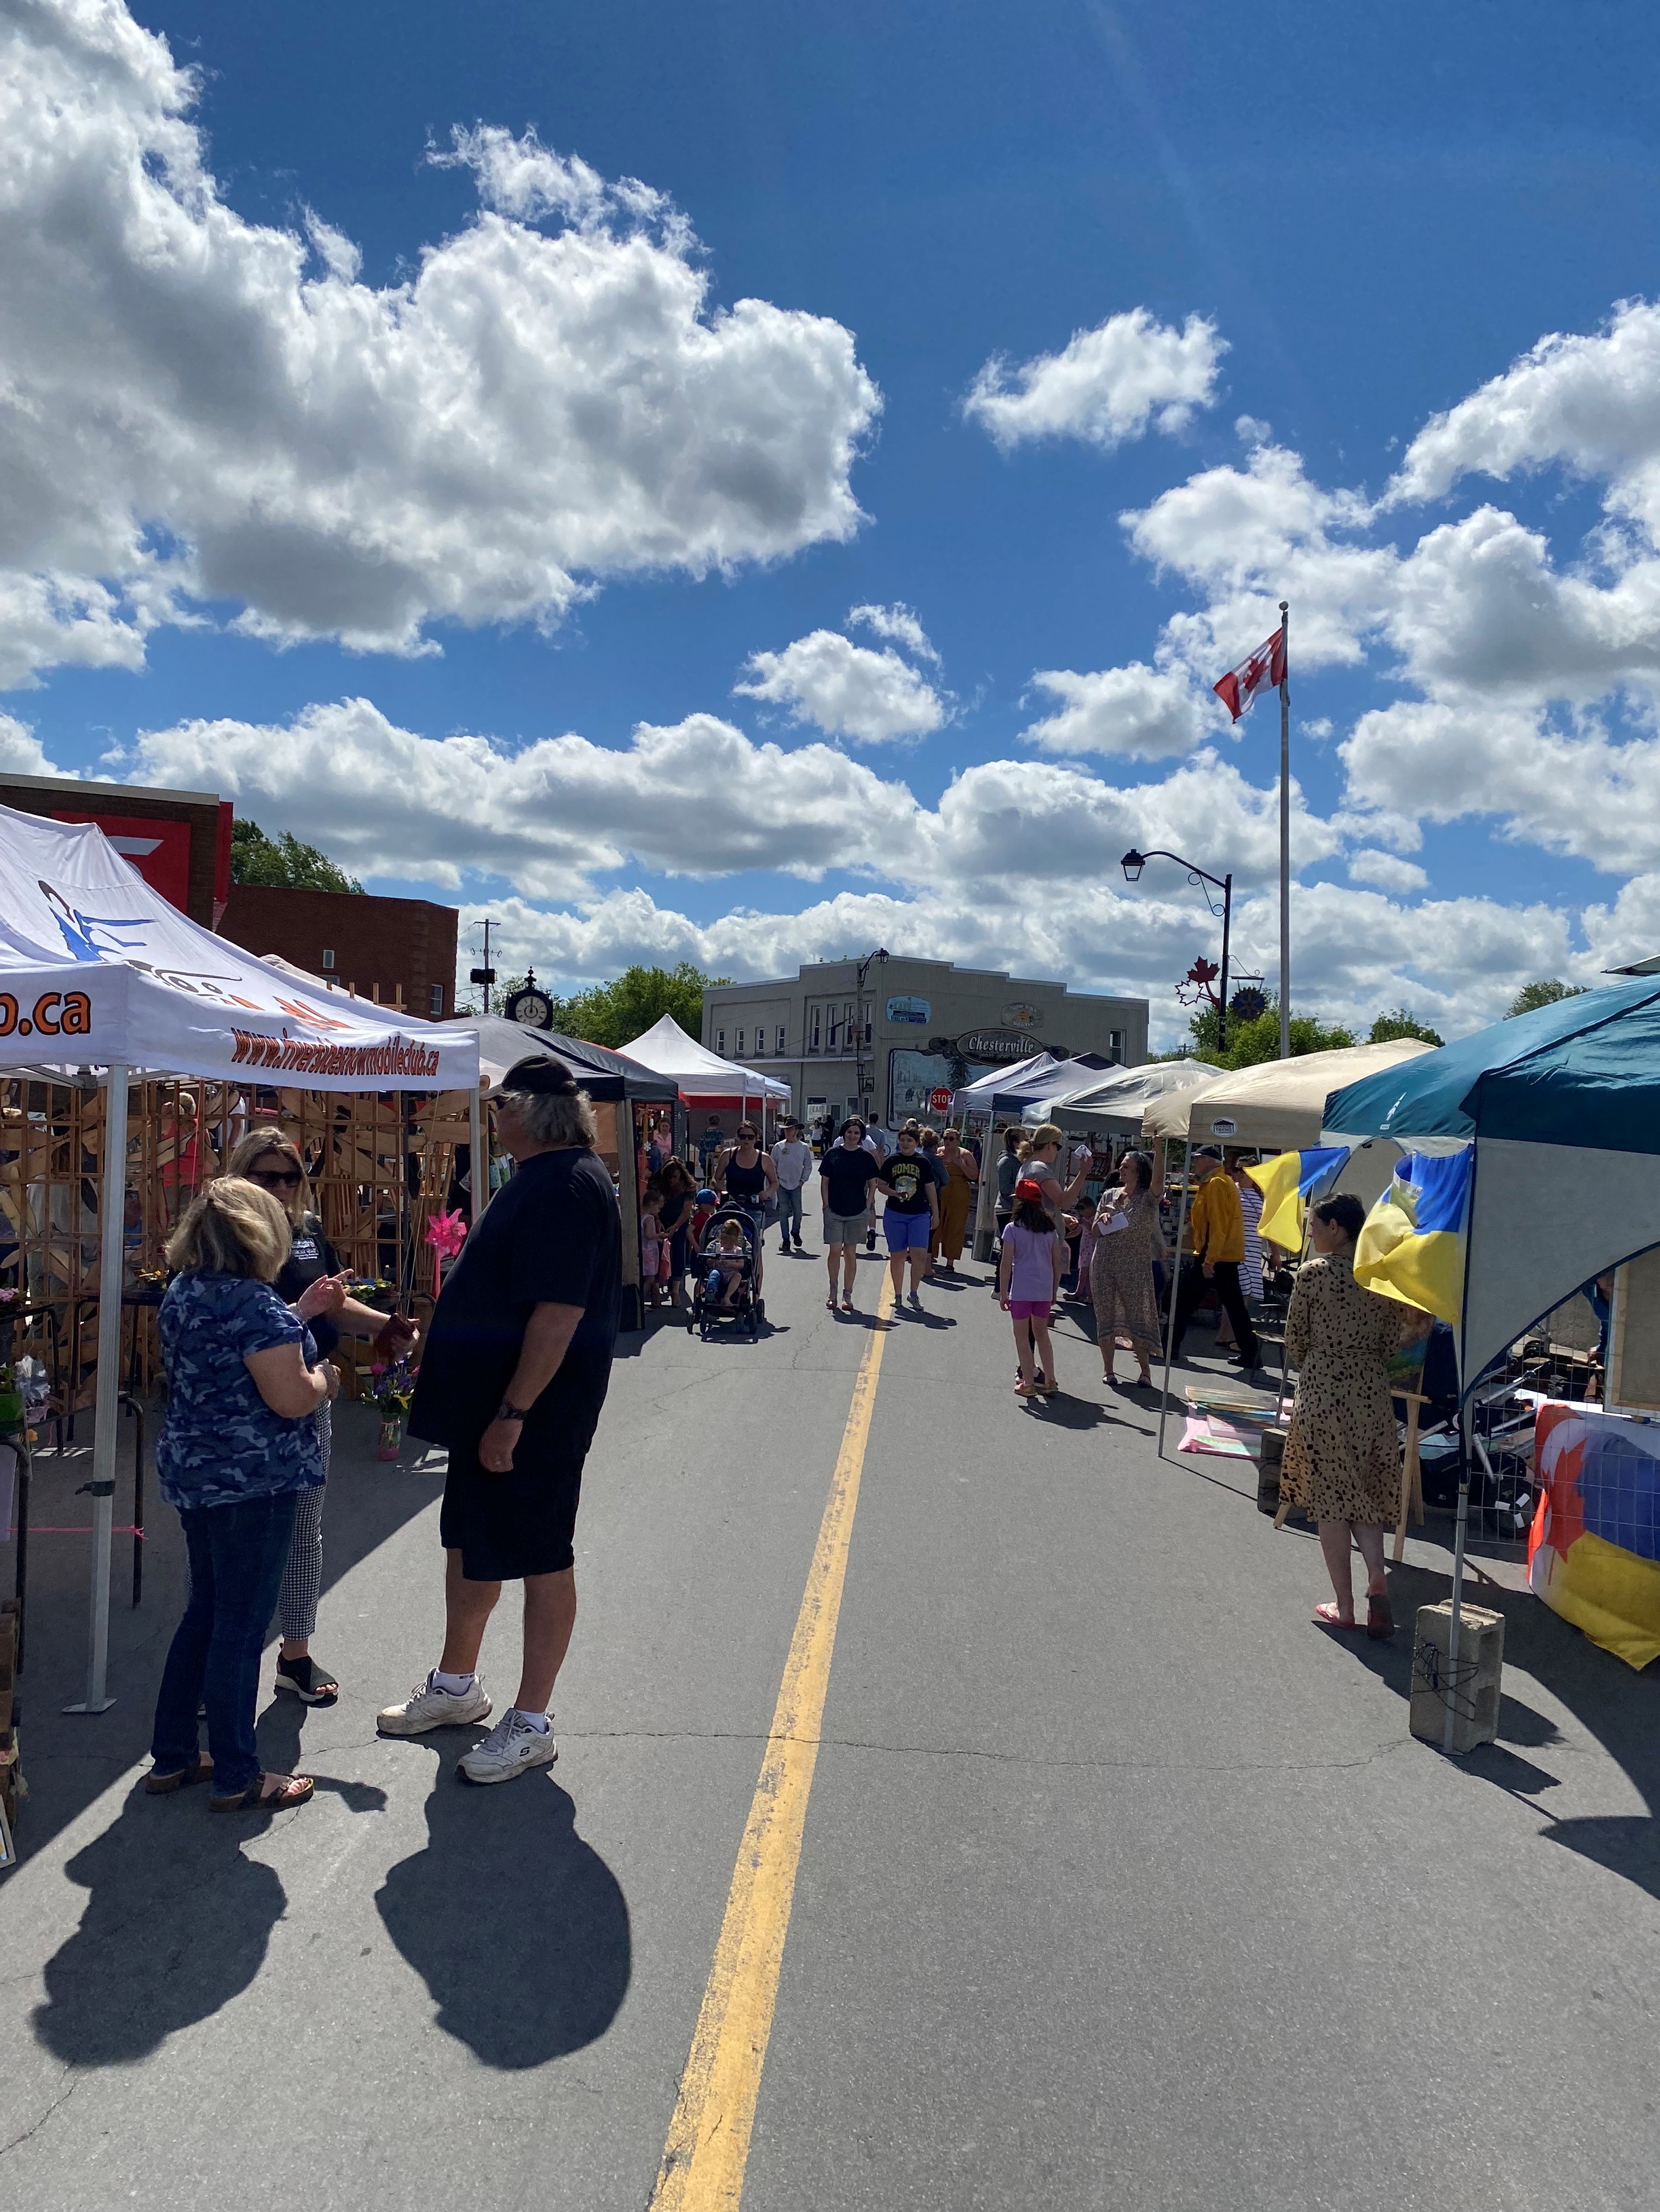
1276	1106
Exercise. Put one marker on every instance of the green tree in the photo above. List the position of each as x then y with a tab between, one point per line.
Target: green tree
1544	992
284	861
1250	1042
1401	1023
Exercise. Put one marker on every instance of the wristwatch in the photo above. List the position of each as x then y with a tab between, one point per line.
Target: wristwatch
504	1412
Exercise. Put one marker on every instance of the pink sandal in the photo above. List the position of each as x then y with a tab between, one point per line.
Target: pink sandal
1328	1616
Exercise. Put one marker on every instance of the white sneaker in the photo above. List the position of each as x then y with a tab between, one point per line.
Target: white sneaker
427	1707
512	1746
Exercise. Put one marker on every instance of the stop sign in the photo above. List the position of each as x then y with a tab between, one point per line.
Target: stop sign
939	1101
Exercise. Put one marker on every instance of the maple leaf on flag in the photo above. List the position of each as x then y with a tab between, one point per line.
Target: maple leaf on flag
1264	669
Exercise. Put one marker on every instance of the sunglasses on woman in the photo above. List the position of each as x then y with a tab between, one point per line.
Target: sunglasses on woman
268	1178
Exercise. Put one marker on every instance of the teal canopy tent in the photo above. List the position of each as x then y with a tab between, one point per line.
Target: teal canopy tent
1563	1106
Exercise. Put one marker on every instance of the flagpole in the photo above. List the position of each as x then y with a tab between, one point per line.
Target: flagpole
1285	830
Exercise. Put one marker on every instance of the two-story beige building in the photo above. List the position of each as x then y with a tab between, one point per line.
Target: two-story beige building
892	1043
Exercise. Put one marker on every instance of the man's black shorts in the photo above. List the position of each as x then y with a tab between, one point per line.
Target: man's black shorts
509	1526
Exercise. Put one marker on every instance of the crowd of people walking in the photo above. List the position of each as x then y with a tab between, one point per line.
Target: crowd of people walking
517	1356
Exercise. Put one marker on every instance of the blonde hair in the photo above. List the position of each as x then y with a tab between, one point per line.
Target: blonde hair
232	1228
266	1137
1047	1133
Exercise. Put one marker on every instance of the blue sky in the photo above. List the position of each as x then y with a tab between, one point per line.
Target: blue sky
1372	218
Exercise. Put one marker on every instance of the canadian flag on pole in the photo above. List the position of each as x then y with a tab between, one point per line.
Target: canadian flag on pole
1262	670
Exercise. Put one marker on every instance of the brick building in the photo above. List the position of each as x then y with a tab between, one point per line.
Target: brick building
399	951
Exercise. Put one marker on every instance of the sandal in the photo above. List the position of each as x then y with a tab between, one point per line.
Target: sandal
305	1679
1380	1615
1328	1616
163	1785
291	1789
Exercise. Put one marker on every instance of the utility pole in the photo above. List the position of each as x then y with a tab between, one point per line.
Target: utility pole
486	975
1285	830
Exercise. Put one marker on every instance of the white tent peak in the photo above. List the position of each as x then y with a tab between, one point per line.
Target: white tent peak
667	1050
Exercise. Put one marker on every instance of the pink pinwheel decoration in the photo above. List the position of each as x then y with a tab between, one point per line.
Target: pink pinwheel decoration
446	1233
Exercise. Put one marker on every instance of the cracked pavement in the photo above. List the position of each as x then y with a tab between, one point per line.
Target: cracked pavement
1123	1885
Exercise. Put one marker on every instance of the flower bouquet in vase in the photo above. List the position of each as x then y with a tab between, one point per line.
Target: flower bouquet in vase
393	1386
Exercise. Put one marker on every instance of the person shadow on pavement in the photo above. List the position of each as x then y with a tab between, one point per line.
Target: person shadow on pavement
177	1923
519	1929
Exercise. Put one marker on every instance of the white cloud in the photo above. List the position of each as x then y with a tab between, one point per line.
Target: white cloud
696	798
1140	713
196	406
21	752
1107	385
848	690
1590	403
898	622
1387	871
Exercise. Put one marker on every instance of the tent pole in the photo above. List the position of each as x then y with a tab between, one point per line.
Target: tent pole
478	1172
112	1253
1174	1293
1465	1437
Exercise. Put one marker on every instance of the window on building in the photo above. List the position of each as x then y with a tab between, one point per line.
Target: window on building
436	1010
741	1044
1115	1044
328	960
721	1043
813	1046
779	1047
865	1020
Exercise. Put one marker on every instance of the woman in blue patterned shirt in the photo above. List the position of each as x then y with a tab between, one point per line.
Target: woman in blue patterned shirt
239	1446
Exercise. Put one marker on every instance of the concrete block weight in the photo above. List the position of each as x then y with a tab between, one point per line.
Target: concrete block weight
1469	1688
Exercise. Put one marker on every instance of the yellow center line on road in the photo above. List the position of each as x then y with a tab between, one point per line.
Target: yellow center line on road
708	2138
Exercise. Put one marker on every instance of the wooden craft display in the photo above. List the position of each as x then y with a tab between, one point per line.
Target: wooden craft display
378	1175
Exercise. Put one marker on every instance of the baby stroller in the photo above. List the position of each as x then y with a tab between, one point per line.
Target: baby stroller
706	1311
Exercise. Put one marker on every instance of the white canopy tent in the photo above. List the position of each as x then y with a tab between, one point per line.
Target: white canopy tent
1119	1100
980	1096
697	1073
99	971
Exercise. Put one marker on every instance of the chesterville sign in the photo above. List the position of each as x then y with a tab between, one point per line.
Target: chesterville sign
994	1044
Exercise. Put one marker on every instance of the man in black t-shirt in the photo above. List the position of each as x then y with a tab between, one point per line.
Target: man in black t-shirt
517	1365
845	1175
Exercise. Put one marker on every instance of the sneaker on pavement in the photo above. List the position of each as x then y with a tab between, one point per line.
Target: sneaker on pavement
427	1707
512	1746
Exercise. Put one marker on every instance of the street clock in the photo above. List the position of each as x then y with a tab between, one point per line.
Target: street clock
530	1007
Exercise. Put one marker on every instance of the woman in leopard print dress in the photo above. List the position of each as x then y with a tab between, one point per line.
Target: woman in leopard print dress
1343	1455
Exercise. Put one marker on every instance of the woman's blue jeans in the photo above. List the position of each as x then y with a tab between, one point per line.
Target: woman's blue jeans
237	1554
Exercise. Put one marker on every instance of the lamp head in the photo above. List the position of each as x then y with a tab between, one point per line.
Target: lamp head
1133	863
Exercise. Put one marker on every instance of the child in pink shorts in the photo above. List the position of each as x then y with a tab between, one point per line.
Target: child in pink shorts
1029	1275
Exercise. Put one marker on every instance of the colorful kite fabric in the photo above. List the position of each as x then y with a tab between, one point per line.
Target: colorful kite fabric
1411	1245
1287	1183
1593	1551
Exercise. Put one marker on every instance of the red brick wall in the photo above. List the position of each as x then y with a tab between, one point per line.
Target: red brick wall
378	944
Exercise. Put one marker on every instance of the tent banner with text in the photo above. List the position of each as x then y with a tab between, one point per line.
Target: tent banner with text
98	969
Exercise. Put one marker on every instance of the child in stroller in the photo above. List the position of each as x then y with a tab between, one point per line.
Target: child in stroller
726	1283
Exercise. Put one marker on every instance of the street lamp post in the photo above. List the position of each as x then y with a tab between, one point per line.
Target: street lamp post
1134	863
880	953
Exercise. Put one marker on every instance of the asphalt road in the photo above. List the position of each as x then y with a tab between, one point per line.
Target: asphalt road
1122	1884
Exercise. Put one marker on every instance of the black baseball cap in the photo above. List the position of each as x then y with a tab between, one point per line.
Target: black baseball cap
547	1077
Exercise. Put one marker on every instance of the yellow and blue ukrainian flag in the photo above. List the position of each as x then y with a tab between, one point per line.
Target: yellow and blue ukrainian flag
1411	1245
1287	1183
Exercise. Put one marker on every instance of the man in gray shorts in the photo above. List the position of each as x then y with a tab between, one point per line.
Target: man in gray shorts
845	1175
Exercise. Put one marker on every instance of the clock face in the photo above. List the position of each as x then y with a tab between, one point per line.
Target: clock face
531	1010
